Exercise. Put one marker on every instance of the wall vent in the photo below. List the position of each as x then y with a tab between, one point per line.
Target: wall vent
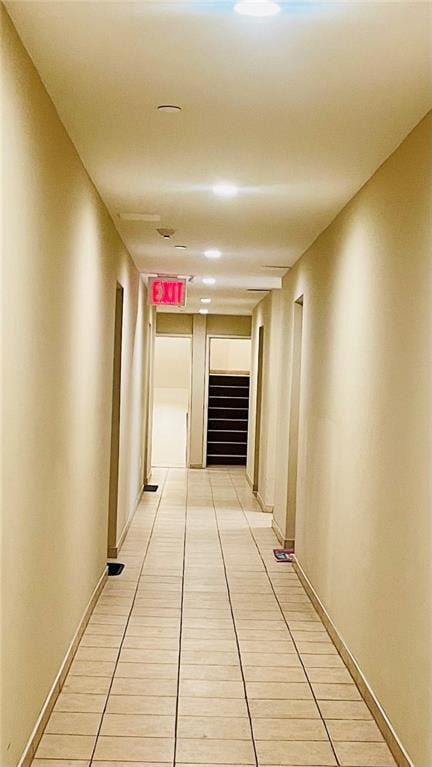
275	266
147	217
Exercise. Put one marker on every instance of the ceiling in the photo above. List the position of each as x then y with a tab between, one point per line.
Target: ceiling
298	110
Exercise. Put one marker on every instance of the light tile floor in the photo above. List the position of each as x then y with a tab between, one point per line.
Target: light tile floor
205	651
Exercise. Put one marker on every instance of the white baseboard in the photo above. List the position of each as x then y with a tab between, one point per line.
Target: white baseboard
372	702
33	741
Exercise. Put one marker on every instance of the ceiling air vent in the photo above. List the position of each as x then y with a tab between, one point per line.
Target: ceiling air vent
147	217
274	266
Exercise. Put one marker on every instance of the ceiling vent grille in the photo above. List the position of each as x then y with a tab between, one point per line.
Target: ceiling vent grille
147	217
275	266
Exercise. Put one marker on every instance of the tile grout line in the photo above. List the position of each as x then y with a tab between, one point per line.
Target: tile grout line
235	628
91	761
222	537
181	622
289	630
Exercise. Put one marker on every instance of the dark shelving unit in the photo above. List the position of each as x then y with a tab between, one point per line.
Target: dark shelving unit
227	424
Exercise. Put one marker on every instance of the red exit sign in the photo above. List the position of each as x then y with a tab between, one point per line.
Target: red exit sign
167	291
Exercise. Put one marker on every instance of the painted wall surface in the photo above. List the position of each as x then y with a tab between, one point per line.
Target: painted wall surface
269	314
199	346
61	260
260	317
229	325
169	323
364	522
230	354
175	323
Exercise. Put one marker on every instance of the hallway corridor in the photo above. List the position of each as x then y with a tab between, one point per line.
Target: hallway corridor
259	681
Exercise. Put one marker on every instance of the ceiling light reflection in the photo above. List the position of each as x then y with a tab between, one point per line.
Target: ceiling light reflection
257	8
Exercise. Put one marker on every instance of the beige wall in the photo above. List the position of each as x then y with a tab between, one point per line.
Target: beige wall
364	522
260	317
228	325
62	259
230	354
196	437
269	314
173	323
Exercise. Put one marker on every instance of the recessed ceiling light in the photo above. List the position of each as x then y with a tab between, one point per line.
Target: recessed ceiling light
206	300
203	311
170	108
212	253
181	247
209	280
225	189
257	8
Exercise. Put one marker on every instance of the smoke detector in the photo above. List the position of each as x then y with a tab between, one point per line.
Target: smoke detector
166	233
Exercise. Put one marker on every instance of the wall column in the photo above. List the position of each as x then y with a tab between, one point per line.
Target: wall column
196	457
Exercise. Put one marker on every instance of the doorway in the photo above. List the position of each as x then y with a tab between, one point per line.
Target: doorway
148	411
294	419
171	401
259	382
228	401
115	422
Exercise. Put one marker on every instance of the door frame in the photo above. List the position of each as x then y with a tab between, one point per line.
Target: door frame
149	417
115	422
258	407
294	418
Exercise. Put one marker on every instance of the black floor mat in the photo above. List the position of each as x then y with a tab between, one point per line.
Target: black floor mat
150	488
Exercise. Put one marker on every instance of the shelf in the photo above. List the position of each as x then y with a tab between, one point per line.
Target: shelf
227	425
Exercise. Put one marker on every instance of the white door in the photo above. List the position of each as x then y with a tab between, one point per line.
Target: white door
172	376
